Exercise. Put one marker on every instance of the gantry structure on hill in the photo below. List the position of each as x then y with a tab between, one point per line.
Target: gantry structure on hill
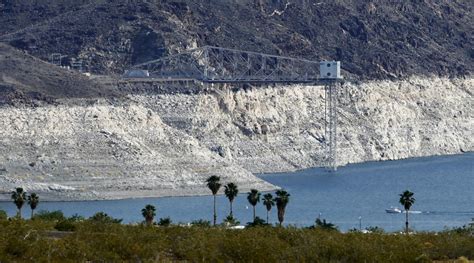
211	65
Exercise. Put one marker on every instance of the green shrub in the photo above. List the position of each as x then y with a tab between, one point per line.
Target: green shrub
49	215
164	221
31	240
65	225
324	225
102	217
257	222
76	218
3	215
466	229
375	229
201	223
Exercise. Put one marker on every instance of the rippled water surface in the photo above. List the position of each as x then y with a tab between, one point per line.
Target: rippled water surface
443	187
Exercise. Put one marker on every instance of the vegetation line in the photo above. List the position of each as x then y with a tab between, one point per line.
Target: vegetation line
50	236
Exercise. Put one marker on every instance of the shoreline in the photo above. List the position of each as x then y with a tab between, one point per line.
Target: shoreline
203	191
259	175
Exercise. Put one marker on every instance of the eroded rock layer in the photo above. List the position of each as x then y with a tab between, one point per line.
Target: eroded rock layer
104	151
282	128
162	144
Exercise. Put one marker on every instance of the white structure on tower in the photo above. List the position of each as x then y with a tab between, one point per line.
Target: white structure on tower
330	73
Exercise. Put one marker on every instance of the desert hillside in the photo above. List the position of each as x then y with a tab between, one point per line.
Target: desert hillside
375	39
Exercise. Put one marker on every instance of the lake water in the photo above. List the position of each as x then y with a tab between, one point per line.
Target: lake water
443	187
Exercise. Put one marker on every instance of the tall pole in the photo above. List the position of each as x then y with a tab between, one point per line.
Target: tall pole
331	125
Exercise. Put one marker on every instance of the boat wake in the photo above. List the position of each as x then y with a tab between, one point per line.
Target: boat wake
399	211
449	212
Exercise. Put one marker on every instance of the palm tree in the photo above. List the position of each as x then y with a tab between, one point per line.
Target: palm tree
214	185
407	200
282	199
268	202
33	201
231	190
149	213
253	197
19	198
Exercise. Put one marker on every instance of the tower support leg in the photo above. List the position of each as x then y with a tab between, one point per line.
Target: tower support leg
331	126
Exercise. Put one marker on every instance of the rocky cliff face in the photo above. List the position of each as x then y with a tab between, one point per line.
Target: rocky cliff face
167	144
105	151
282	128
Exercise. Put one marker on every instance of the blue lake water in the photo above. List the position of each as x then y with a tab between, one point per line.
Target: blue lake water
443	187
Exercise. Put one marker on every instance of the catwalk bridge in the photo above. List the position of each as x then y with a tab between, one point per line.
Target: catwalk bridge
211	65
224	65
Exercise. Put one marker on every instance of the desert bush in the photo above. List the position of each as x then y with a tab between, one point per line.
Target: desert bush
201	223
102	217
375	229
324	225
49	215
65	225
3	215
257	222
26	240
76	218
466	229
164	221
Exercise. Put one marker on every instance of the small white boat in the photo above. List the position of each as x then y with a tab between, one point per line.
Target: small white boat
393	210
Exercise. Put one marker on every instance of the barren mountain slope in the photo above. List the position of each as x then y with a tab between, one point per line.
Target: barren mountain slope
374	39
26	79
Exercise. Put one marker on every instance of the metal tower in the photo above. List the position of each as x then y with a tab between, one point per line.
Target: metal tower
330	115
212	65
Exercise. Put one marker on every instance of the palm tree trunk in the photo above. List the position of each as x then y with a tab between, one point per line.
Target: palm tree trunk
19	213
32	213
215	213
231	213
406	222
281	214
267	216
254	213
